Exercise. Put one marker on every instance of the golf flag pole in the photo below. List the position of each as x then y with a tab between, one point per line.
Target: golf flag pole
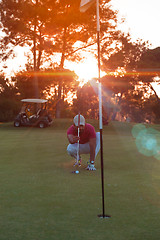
100	112
84	5
78	140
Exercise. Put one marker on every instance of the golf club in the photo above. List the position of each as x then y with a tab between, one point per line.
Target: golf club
78	157
78	140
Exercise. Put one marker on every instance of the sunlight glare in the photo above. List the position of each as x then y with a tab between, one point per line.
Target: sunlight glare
156	85
70	97
16	64
86	70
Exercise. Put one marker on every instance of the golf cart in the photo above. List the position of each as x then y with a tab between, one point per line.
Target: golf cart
33	113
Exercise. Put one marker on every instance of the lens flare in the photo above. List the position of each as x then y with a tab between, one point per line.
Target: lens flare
137	128
147	140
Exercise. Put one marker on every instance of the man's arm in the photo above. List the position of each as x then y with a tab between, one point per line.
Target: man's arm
72	139
92	143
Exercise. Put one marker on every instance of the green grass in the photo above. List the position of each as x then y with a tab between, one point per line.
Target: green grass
41	200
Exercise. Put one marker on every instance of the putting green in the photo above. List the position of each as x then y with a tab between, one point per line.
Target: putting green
41	199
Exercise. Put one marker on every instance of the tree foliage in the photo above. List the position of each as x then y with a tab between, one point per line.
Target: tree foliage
49	81
127	55
150	59
134	70
86	102
52	27
8	103
56	26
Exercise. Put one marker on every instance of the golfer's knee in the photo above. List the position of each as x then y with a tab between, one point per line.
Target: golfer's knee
97	143
70	150
97	138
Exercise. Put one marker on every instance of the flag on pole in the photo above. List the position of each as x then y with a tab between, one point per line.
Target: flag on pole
85	4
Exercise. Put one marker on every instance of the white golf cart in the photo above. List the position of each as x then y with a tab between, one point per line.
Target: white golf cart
33	113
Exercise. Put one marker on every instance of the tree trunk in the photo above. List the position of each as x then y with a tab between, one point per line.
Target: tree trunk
59	105
158	99
34	55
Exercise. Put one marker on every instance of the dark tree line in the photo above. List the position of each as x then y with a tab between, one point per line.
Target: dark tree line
132	88
50	28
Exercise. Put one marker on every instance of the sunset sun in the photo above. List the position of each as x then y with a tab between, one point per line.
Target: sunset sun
85	70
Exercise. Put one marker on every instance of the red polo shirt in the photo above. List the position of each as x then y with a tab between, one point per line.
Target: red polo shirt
86	135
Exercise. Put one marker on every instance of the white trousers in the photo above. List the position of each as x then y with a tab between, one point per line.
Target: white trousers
83	148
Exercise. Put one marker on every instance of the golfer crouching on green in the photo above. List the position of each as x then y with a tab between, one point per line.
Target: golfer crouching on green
83	140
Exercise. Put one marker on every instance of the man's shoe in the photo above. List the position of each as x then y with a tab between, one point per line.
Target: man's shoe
78	163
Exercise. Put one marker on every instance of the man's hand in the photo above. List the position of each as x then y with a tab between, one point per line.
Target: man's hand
73	139
91	167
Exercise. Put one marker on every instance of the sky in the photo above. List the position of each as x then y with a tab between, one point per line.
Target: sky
142	21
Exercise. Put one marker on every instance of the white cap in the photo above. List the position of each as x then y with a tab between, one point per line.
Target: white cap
81	120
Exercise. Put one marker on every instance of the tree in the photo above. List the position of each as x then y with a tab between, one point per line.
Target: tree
150	59
149	67
48	85
127	55
8	103
49	27
132	67
86	102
